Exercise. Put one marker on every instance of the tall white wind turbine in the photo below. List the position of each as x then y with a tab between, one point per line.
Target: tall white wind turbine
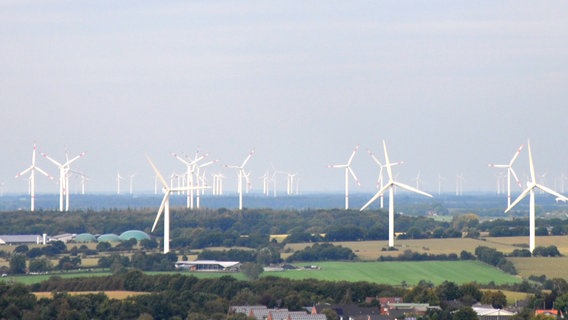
32	169
381	178
64	179
531	186
510	172
165	205
241	175
390	185
348	171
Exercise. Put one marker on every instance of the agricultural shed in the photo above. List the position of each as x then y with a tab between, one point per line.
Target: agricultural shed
208	265
21	239
136	234
109	237
64	237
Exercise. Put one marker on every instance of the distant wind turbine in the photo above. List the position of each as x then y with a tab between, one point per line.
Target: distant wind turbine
390	185
32	170
381	178
510	172
531	186
348	171
241	175
64	178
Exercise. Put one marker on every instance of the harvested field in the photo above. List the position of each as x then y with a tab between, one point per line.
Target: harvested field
111	294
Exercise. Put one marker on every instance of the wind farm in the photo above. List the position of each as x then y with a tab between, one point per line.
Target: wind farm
169	133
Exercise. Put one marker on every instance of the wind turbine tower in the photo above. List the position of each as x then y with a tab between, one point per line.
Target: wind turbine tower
348	171
32	170
510	172
381	178
165	205
531	186
390	185
241	174
64	169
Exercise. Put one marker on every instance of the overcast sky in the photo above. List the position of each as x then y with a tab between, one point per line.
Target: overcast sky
450	85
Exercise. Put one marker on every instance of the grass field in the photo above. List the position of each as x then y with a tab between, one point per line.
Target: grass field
394	273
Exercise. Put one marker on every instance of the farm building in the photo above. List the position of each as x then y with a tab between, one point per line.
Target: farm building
491	313
208	265
134	234
22	239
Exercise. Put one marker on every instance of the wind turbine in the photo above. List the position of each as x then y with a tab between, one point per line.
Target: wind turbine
118	178
131	178
348	171
390	185
381	179
290	186
531	186
459	184
64	178
241	175
440	180
32	169
510	172
191	167
165	205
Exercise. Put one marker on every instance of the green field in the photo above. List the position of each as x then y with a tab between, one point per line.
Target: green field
394	273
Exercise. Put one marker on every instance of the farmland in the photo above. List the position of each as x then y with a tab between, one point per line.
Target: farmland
396	273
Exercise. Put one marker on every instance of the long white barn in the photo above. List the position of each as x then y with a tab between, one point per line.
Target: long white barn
209	265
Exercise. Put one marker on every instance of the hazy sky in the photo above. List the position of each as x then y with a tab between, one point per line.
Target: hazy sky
450	85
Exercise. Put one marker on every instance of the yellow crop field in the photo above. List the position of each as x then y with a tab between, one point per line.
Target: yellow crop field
372	250
111	294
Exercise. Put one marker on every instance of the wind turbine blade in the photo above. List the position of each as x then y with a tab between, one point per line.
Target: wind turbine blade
247	158
515	176
376	196
74	159
162	205
180	159
25	171
387	161
352	155
519	198
44	173
550	191
164	183
337	166
499	165
52	160
412	189
354	176
374	158
516	154
531	164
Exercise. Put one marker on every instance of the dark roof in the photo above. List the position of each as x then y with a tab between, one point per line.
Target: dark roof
349	310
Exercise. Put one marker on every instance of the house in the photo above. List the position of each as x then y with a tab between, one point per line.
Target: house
547	312
208	265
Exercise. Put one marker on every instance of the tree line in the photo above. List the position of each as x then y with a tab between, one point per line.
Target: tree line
178	296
